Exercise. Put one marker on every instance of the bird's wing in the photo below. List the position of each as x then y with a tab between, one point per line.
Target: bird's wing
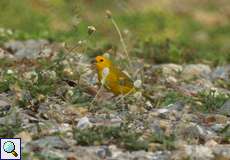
122	78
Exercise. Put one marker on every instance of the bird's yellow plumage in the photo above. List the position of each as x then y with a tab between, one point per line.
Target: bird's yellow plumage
114	80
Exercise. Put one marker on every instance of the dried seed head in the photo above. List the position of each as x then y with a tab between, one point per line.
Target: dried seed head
70	93
137	83
32	76
41	97
68	72
91	30
9	71
137	95
106	55
108	14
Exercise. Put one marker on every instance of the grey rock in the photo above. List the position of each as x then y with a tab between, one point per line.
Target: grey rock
155	128
86	153
178	106
168	69
47	142
222	72
189	117
199	152
84	123
163	113
222	152
161	155
195	131
14	117
198	86
4	107
28	49
104	152
137	155
195	70
217	127
141	155
116	121
170	111
14	45
52	154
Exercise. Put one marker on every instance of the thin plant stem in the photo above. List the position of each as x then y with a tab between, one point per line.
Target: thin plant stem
95	97
122	41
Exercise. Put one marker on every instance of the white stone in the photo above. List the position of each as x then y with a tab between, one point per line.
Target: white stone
199	152
84	123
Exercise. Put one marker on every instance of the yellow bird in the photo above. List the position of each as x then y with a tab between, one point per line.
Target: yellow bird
112	77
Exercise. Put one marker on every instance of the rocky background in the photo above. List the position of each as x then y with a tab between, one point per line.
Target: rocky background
49	89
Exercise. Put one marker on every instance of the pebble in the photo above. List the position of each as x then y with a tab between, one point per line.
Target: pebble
84	123
104	152
154	147
211	143
4	107
25	136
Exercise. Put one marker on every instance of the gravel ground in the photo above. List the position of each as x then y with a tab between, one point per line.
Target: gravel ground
47	95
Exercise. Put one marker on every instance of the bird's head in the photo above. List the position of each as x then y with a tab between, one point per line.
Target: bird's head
102	62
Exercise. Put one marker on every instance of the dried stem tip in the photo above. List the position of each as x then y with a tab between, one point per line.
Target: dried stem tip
91	30
108	14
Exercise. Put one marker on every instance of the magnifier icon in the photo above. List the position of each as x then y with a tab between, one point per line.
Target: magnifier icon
9	147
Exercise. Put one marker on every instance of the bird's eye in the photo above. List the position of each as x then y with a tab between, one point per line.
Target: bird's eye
101	60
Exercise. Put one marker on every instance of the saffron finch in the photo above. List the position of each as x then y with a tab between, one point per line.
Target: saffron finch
112	77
